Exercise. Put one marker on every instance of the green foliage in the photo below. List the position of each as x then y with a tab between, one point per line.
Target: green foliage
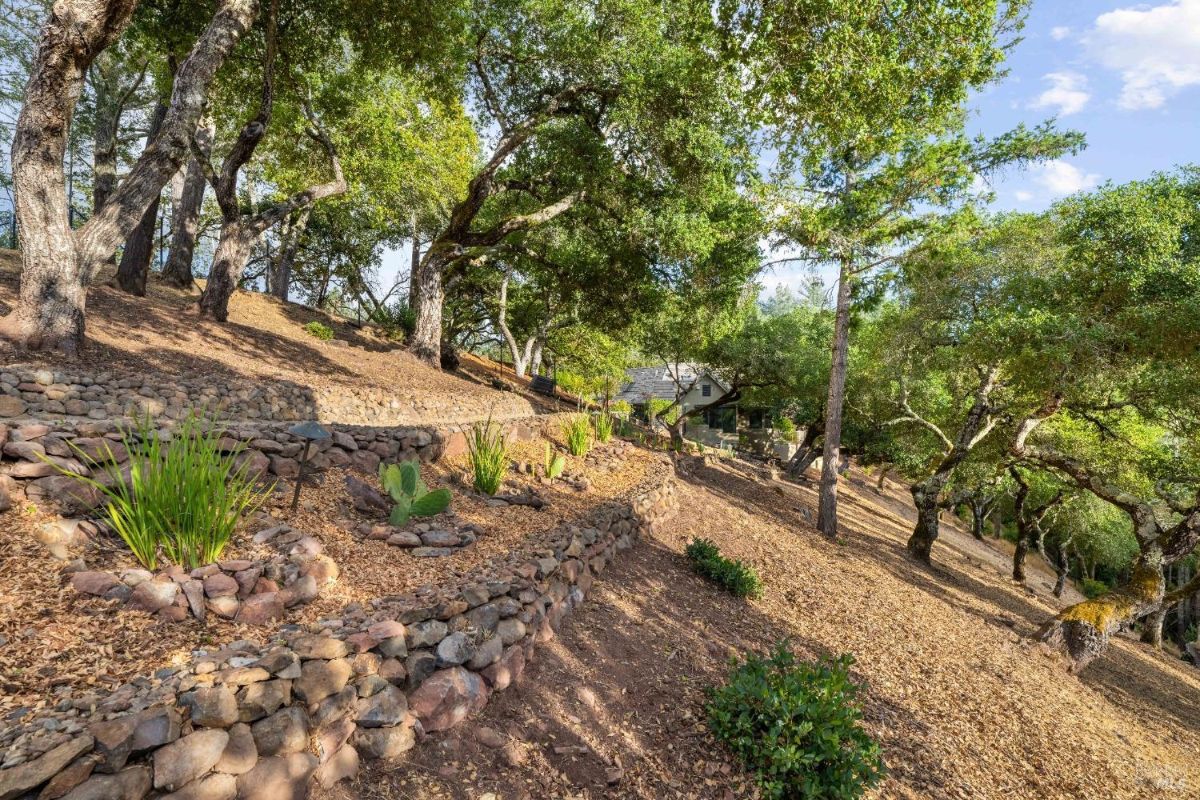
185	495
1092	589
798	725
661	408
319	330
577	431
411	496
785	428
734	575
554	463
604	427
396	321
488	449
620	409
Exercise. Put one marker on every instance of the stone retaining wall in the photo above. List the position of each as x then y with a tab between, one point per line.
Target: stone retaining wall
106	395
86	446
266	720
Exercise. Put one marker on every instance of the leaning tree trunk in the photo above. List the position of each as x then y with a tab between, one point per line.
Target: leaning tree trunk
807	452
229	261
927	500
134	268
185	220
281	275
426	341
1083	630
827	521
57	263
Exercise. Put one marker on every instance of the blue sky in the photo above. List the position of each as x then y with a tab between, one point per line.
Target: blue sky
1126	74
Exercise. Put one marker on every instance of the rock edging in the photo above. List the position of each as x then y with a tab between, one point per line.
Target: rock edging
268	720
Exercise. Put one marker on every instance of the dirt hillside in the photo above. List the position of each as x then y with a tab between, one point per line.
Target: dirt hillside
264	339
964	705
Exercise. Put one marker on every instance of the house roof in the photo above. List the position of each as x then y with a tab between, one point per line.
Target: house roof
657	382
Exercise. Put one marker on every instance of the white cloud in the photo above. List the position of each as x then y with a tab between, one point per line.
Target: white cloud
1023	196
1067	93
1059	32
1156	49
1060	178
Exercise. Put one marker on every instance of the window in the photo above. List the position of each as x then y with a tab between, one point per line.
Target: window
706	390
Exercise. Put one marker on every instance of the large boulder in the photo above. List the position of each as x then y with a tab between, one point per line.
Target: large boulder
278	778
188	758
447	697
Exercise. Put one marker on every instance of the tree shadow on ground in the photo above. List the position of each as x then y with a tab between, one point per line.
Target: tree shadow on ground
615	705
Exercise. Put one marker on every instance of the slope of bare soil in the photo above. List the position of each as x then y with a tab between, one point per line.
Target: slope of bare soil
964	705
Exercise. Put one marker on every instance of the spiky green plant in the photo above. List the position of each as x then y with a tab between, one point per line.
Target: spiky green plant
184	495
411	496
554	464
488	449
604	427
577	430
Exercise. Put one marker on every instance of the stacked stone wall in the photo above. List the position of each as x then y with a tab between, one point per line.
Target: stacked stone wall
271	719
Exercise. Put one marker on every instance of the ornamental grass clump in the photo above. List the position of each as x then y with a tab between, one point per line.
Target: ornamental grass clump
735	576
604	427
488	450
798	726
183	496
577	431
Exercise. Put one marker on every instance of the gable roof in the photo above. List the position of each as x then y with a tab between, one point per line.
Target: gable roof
656	382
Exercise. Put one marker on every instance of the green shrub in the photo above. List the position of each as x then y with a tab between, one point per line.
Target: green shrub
412	497
797	725
319	330
604	427
577	430
554	463
185	495
736	576
620	409
1092	589
488	450
785	428
396	322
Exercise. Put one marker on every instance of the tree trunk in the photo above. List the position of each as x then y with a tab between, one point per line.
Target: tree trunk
134	268
281	275
1060	582
57	263
104	137
426	342
978	517
1019	554
1083	630
185	219
229	261
926	498
827	522
1153	634
881	481
807	452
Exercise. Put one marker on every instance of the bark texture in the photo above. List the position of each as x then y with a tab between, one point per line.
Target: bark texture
185	218
134	268
827	522
929	494
57	263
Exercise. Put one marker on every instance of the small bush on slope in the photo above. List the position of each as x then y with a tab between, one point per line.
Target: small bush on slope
797	725
736	576
319	330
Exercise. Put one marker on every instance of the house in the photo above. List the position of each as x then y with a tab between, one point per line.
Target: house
691	384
